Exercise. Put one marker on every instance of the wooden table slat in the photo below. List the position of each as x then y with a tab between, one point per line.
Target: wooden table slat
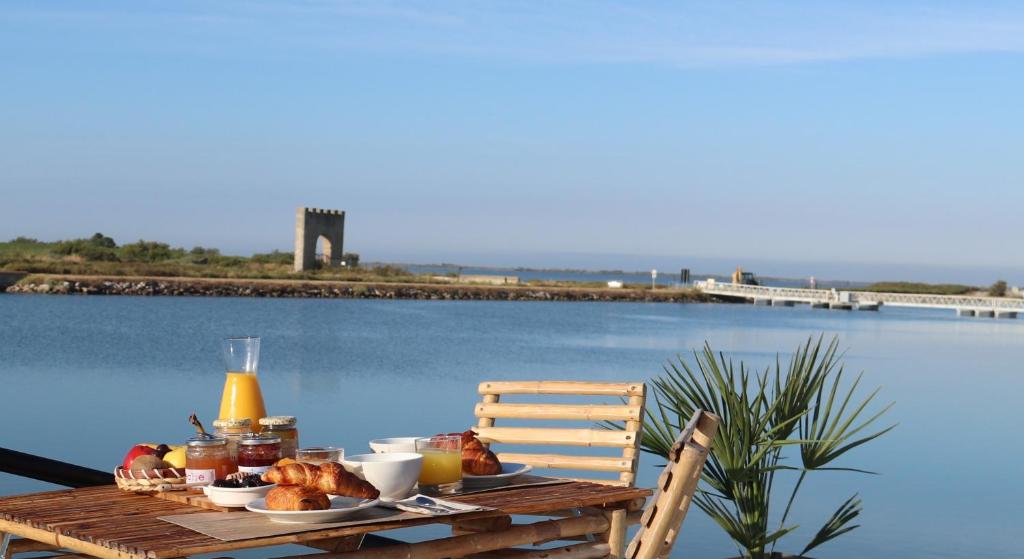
129	524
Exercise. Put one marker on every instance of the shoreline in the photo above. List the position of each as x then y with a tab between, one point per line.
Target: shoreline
66	284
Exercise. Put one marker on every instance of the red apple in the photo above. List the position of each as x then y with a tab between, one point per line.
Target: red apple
135	452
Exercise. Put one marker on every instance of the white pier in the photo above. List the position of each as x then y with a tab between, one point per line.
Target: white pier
998	307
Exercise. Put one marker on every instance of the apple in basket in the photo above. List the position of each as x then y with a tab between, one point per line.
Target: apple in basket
161	456
151	467
136	452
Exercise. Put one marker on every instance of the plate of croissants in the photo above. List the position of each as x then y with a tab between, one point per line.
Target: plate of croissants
481	469
313	493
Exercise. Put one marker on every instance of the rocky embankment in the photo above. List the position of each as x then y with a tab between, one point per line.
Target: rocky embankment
63	285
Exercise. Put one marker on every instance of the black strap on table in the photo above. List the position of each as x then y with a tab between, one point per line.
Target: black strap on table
52	471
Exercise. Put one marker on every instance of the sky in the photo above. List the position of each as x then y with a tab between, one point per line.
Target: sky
861	140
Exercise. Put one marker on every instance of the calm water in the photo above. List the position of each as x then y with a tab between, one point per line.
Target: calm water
85	377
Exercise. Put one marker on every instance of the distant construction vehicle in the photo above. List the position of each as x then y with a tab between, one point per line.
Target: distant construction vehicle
740	277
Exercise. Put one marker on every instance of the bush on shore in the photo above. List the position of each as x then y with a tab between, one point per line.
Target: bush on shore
915	287
998	289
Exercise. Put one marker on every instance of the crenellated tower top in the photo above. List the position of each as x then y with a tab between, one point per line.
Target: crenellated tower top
322	211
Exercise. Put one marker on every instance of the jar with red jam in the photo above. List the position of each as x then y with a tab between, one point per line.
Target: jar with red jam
257	453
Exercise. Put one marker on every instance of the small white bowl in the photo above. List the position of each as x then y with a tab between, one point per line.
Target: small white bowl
236	496
395	444
394	474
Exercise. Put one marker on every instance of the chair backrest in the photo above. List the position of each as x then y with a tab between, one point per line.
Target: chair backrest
663	517
630	413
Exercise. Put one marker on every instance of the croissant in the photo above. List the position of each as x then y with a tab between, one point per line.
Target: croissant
329	477
336	480
477	459
298	473
297	497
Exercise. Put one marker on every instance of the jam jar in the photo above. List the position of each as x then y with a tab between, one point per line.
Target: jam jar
207	459
257	453
283	426
233	430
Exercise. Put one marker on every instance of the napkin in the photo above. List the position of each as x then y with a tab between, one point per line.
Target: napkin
440	507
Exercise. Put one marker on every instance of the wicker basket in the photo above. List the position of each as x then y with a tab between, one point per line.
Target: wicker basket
150	481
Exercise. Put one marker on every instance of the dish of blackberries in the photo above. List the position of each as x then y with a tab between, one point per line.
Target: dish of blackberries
237	490
248	480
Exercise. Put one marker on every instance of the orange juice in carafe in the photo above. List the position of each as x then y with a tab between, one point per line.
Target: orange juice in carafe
242	398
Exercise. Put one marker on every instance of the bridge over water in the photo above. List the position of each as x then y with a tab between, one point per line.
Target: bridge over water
786	296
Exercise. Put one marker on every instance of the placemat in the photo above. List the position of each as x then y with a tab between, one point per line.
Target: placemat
234	526
244	525
525	480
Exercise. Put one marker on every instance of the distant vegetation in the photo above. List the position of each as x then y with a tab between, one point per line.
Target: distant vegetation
998	289
101	255
915	287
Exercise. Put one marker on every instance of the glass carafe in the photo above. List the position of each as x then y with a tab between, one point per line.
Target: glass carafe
242	398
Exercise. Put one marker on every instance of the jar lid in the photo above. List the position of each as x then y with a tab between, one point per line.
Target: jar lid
278	420
206	441
259	439
231	423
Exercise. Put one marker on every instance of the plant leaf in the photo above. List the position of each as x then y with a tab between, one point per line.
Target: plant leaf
837	524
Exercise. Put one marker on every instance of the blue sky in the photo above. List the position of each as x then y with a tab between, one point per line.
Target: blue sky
859	140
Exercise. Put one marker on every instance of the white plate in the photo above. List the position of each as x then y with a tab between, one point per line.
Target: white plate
235	496
340	508
509	471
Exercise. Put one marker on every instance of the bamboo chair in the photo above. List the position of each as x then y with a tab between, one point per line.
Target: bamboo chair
663	517
492	408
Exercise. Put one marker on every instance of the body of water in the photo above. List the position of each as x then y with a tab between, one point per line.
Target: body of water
84	378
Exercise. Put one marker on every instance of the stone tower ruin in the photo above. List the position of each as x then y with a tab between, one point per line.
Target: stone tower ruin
312	224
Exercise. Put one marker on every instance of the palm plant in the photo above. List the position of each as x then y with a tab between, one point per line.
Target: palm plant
800	405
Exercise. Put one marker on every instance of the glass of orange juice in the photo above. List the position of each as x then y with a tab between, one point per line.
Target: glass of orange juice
442	464
242	398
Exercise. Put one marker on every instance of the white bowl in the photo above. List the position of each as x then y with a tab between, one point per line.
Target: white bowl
394	474
236	496
395	444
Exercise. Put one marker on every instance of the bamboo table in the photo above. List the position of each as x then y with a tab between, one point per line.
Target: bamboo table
112	524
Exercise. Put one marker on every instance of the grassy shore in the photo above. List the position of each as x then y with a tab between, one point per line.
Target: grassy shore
920	288
100	256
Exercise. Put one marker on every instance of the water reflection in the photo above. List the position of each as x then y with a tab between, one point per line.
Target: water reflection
355	370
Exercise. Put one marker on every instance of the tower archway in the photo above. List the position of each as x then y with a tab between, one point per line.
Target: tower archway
323	251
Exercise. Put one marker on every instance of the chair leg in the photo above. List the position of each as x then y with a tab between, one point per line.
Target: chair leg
616	534
5	541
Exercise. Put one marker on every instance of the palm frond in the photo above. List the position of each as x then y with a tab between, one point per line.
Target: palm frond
837	524
830	434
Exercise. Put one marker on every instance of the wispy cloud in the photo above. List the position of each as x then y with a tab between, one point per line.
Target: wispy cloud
593	32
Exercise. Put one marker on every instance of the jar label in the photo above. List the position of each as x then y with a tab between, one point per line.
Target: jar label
253	469
200	476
